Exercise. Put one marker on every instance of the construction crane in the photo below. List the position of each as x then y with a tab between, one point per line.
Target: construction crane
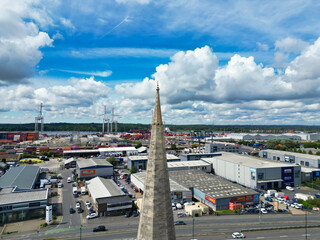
105	120
39	119
114	121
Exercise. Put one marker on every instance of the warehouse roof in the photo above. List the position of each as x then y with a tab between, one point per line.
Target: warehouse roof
210	184
196	163
8	196
82	151
174	185
145	157
23	177
93	162
117	149
248	161
101	188
314	157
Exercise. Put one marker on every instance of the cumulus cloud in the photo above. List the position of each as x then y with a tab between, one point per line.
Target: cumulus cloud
20	41
78	98
195	75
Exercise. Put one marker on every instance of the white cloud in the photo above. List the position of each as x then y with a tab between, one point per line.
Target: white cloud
263	46
67	23
290	44
81	97
106	73
21	40
193	85
89	53
133	1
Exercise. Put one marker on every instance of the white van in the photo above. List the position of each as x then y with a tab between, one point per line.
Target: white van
83	191
75	190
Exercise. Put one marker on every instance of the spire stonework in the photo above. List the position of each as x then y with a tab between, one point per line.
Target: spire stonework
156	217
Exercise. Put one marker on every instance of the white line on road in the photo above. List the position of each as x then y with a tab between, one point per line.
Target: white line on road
259	237
303	235
284	236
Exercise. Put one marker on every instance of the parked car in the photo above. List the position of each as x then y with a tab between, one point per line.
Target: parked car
238	235
92	215
60	185
99	229
69	180
179	223
72	210
263	210
88	206
268	199
87	202
78	205
80	210
289	188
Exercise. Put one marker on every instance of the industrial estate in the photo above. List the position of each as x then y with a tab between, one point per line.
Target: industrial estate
71	185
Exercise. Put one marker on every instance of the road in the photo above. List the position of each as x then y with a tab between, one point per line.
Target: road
69	220
206	227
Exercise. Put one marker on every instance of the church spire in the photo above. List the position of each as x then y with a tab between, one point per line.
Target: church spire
156	218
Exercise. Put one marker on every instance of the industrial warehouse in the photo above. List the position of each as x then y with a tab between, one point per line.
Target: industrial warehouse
190	165
291	157
90	168
214	191
107	197
254	173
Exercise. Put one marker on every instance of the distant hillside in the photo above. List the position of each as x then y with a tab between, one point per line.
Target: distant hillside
123	127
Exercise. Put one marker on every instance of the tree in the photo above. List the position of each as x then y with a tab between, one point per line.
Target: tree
310	152
318	153
138	145
113	161
173	147
50	153
133	169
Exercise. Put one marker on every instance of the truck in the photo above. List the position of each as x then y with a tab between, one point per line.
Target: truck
279	194
303	196
272	192
83	191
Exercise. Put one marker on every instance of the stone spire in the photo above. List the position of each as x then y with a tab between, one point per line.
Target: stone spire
156	218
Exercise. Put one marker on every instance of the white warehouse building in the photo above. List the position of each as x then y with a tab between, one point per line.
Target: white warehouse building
254	173
291	157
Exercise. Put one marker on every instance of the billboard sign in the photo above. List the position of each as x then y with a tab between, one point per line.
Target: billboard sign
88	172
247	198
210	199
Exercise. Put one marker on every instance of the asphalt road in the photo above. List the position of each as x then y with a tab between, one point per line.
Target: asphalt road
68	220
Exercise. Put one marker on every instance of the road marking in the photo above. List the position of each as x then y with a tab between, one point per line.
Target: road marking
284	236
303	235
259	237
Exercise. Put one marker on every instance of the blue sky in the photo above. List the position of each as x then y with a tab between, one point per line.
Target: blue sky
217	62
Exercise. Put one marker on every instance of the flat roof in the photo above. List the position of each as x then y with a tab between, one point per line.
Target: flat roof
22	177
196	163
201	154
302	155
174	185
117	149
101	188
82	151
309	170
93	162
248	161
145	157
9	197
210	184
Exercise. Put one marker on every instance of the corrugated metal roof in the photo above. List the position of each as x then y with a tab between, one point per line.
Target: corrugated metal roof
93	163
22	177
101	188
